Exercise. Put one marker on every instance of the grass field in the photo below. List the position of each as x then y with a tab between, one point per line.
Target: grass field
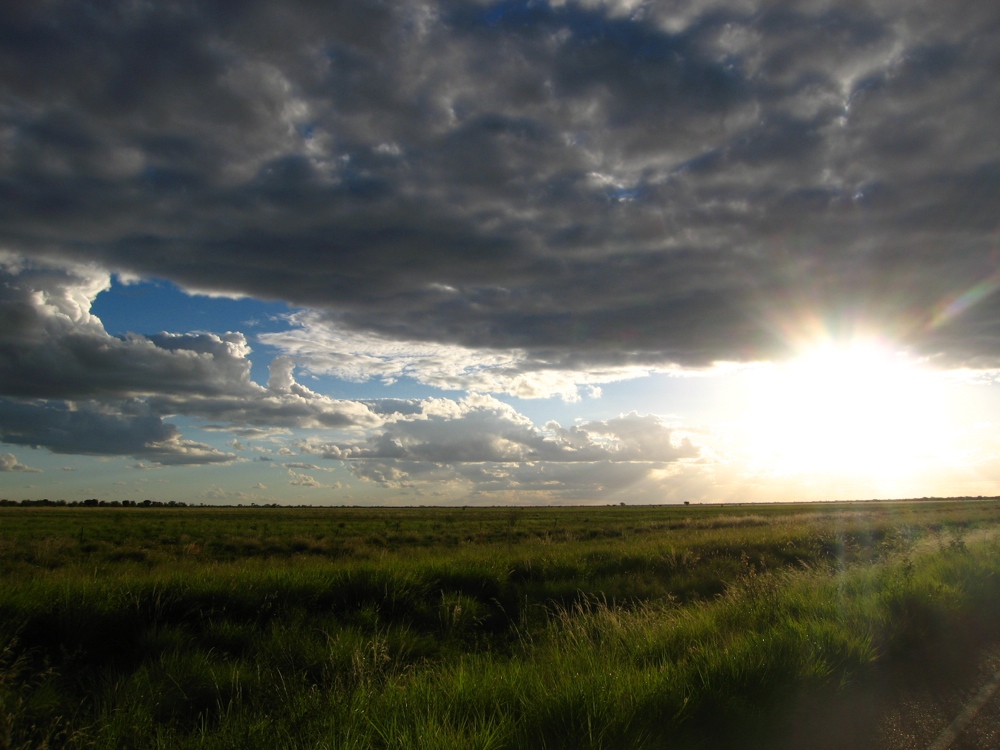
612	627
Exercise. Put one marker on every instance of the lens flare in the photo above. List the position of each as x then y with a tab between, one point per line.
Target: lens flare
952	307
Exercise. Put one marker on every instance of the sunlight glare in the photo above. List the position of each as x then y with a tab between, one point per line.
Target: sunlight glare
847	409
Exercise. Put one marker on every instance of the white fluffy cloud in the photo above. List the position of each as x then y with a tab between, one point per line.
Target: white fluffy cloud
322	347
485	445
9	462
481	428
297	479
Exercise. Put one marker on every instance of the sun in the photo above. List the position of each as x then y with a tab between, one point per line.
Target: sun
858	408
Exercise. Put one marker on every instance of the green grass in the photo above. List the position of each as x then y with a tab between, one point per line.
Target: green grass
493	628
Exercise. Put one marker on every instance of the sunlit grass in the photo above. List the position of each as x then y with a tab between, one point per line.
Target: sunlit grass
593	628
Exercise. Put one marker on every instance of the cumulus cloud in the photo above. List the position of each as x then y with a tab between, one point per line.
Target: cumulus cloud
301	480
52	346
88	428
283	404
9	462
67	385
481	428
595	184
483	443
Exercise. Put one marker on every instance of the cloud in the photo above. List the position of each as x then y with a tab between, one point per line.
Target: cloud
88	428
581	482
630	437
247	432
323	348
283	405
302	480
220	493
52	346
55	348
530	199
481	428
591	184
484	444
8	462
67	385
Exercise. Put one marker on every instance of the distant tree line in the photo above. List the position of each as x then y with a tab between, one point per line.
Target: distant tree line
95	503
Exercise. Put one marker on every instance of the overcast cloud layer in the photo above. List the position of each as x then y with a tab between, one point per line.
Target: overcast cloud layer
522	198
595	181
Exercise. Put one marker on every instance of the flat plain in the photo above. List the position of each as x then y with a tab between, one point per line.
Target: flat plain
513	627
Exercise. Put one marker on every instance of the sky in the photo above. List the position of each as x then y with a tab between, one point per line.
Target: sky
490	252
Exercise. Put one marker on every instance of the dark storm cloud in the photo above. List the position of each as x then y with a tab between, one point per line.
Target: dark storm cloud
591	184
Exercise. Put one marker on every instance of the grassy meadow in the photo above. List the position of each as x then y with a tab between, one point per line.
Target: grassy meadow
596	627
